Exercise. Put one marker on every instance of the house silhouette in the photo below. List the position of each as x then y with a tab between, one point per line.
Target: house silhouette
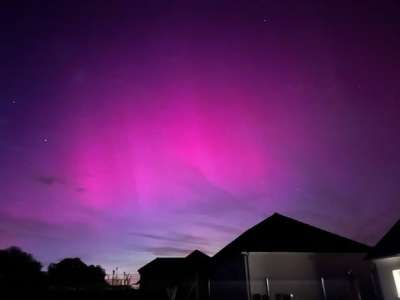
279	233
176	277
279	258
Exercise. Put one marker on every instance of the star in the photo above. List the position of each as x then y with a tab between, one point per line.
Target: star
45	140
13	101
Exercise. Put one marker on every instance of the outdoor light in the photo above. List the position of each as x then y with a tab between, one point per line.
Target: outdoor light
396	275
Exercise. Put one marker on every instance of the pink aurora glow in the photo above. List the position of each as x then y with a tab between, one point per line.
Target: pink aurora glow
165	128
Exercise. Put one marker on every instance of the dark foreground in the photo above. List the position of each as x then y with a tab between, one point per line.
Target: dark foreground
110	293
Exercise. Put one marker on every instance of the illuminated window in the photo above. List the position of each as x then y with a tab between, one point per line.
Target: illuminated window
396	275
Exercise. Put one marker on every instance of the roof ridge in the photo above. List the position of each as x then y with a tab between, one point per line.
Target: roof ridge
249	236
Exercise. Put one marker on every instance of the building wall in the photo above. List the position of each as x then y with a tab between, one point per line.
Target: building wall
384	272
189	285
228	278
150	284
300	274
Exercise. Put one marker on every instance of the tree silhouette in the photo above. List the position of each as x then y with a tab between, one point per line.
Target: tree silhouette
72	272
18	269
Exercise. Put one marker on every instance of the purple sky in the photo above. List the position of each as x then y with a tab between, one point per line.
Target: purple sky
134	129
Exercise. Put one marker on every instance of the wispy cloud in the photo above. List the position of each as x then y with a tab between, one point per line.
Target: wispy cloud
168	251
176	237
29	227
209	198
219	227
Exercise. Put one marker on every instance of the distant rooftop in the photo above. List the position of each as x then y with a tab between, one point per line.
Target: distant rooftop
162	264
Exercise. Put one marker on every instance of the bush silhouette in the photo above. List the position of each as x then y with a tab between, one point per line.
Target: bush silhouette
72	272
18	268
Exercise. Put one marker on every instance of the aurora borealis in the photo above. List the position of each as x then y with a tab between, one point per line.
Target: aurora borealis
134	129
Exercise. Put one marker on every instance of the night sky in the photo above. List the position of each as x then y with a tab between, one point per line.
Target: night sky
135	129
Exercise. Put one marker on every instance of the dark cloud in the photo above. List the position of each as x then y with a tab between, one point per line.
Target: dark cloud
49	180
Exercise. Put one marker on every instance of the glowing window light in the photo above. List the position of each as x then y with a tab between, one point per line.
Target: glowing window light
396	276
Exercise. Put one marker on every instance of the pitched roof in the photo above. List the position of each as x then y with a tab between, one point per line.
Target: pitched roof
279	233
163	263
389	245
197	255
167	264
